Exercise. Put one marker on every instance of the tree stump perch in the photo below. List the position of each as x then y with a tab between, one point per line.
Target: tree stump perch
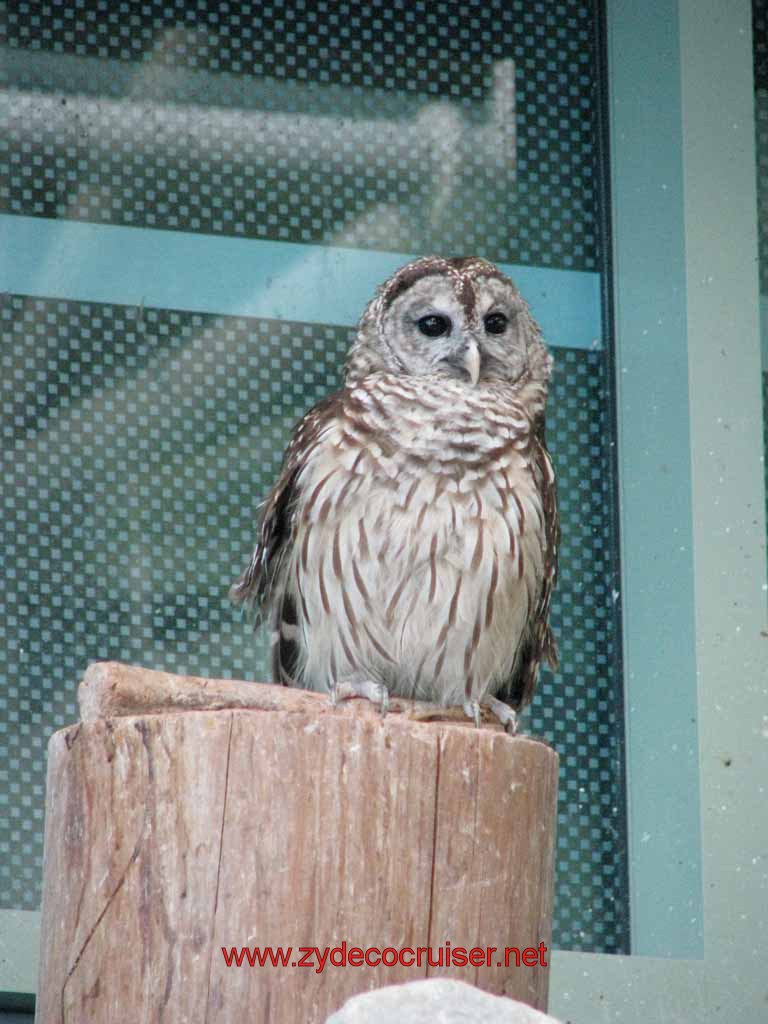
187	815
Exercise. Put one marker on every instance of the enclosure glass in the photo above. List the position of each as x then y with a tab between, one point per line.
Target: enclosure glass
198	200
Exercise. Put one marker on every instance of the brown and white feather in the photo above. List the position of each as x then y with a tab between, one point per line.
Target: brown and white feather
411	538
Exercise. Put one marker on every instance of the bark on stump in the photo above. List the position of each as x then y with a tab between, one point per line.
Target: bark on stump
275	820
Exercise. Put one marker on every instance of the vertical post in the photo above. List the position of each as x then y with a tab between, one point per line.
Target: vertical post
170	836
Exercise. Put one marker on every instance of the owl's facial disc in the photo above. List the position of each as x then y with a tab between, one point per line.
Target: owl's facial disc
428	330
459	319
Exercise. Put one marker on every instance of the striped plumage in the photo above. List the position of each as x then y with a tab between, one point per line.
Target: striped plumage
411	539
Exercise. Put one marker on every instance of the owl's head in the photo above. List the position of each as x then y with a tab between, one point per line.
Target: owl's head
455	318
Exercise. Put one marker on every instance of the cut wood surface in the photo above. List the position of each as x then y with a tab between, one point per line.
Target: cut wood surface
287	824
111	689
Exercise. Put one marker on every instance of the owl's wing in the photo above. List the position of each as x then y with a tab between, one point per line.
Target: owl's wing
261	587
538	642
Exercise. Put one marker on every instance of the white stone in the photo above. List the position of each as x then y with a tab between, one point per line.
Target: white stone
435	1001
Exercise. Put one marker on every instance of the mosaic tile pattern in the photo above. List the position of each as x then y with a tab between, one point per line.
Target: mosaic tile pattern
410	127
136	445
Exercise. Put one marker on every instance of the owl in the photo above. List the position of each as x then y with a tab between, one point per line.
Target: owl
409	545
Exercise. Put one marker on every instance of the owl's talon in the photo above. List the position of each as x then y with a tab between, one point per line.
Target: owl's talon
376	693
505	714
472	710
339	692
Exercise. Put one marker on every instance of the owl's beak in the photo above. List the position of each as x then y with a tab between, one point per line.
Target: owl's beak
472	362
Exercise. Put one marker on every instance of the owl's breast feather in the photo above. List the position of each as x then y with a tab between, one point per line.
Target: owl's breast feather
416	565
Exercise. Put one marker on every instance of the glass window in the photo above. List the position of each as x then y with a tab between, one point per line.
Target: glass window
199	199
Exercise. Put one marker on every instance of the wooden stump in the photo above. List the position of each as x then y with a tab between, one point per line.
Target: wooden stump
284	824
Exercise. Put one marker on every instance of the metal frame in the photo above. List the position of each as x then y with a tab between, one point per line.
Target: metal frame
655	499
87	262
693	520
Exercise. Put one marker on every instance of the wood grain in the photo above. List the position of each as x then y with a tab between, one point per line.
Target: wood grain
169	836
112	689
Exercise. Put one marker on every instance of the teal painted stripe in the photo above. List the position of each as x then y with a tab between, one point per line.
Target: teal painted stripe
666	902
248	277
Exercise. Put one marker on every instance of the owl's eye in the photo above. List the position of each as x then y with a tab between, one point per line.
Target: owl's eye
496	323
434	325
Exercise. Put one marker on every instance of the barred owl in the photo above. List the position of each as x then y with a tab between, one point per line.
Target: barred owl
409	546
